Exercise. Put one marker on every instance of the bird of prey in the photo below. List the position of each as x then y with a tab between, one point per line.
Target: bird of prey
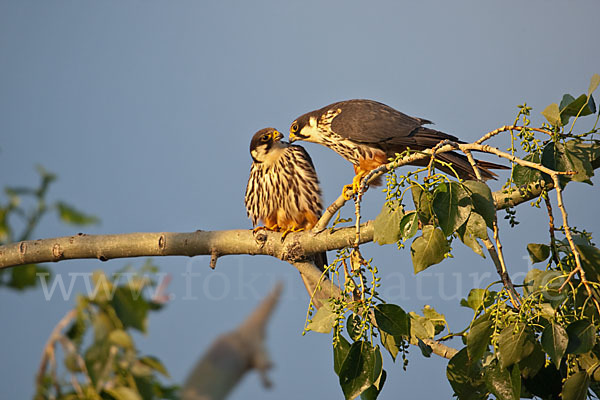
283	191
367	133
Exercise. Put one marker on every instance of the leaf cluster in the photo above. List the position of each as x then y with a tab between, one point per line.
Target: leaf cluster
100	356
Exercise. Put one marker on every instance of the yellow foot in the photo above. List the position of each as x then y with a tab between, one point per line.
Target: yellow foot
288	231
348	192
274	228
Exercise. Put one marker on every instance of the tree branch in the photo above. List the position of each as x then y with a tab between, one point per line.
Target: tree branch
232	355
105	247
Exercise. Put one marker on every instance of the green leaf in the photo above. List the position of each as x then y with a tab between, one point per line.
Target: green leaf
466	377
590	260
340	352
438	320
576	386
478	298
131	308
483	201
390	343
27	276
121	338
420	327
423	203
524	175
387	225
123	393
356	373
323	320
573	156
478	339
72	362
78	328
392	319
591	363
353	326
529	282
426	350
554	342
581	336
409	225
452	206
429	248
570	107
531	364
373	392
548	283
499	381
538	252
469	233
546	383
552	114
155	364
514	344
69	215
594	82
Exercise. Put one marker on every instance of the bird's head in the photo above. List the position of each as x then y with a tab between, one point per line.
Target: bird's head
305	128
265	143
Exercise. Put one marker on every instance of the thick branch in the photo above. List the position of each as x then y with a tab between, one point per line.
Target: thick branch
105	247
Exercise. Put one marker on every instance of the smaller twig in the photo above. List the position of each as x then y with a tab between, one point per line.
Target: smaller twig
509	128
214	255
552	228
69	348
514	296
329	213
574	250
160	295
112	352
430	165
357	202
506	277
473	164
48	352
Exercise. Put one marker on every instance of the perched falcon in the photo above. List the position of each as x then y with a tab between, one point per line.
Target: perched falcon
283	190
367	133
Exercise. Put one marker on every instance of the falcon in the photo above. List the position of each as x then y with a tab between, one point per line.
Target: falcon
283	191
367	133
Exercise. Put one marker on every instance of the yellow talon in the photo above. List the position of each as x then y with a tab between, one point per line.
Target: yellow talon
348	191
273	228
288	231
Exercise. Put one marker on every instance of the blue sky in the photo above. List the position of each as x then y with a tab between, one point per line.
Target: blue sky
145	110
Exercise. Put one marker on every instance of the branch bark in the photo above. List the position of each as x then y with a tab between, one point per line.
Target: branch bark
105	247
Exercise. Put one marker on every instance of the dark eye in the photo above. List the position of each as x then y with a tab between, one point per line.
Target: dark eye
265	137
294	127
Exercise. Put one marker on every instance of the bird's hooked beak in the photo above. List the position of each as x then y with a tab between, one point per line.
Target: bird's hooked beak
294	130
277	136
